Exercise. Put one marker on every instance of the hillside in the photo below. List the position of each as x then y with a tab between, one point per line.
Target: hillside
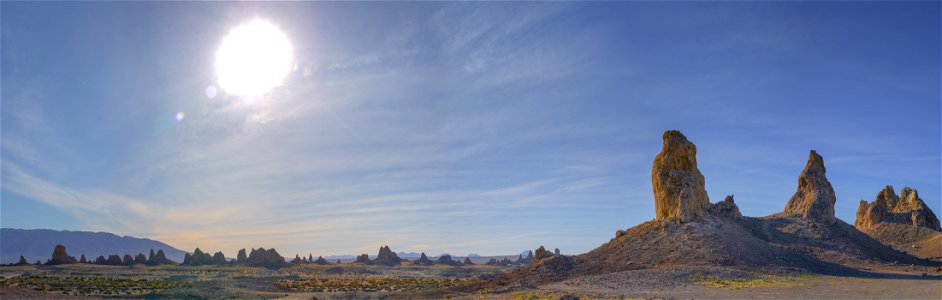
691	231
37	244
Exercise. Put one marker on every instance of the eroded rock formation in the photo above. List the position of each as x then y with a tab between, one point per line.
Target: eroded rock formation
445	259
321	261
158	259
140	259
198	258
679	192
423	261
242	257
387	257
59	256
814	199
726	208
265	258
363	259
907	208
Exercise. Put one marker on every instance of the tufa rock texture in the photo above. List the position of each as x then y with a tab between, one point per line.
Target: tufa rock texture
887	207
814	199
726	208
870	214
903	222
467	261
919	213
541	254
679	192
321	261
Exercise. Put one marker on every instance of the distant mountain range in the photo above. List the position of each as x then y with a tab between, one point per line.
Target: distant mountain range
37	244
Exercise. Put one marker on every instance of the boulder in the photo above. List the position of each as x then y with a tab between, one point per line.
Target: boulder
679	188
814	199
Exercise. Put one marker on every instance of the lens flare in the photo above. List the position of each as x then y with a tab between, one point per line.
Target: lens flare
253	58
211	92
180	116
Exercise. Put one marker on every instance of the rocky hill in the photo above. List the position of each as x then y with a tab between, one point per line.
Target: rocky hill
690	231
904	222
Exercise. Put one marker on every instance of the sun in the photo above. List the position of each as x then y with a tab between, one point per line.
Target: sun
253	58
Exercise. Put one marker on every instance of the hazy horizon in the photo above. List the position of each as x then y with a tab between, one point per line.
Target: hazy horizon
484	128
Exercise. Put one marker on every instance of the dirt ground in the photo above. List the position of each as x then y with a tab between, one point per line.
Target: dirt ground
718	283
376	282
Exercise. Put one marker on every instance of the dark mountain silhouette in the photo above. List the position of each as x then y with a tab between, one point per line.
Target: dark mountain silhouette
409	255
35	244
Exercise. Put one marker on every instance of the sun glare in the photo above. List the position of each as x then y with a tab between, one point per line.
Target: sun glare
253	58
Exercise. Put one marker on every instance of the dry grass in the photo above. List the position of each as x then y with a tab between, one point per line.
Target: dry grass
754	282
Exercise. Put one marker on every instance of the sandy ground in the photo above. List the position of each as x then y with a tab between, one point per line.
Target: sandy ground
678	284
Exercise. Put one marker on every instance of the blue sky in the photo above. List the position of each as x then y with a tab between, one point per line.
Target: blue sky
454	127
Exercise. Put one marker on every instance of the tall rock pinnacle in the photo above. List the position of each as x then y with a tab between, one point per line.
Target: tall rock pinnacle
814	199
679	191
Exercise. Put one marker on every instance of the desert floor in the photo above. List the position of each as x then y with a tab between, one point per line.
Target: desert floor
349	281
